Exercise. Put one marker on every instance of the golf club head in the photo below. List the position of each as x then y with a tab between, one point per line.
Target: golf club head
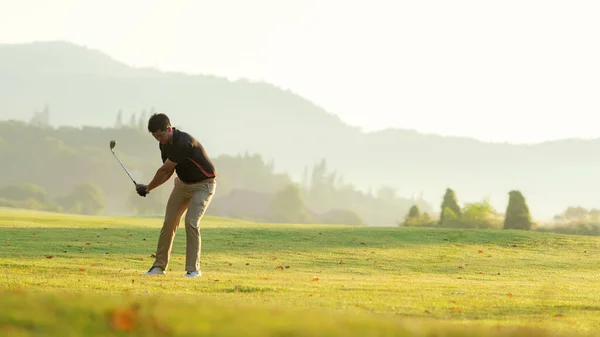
112	144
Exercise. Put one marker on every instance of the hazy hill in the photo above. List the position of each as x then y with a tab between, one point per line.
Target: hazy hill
86	87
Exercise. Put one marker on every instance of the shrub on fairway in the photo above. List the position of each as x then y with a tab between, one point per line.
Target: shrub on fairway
413	212
477	215
480	215
577	214
580	228
414	218
450	209
517	212
423	220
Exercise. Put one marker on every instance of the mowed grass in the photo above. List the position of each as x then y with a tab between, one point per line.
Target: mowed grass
67	275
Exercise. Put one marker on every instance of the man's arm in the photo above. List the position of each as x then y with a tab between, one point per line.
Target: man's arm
162	174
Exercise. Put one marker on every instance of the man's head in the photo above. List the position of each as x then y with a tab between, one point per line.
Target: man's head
159	126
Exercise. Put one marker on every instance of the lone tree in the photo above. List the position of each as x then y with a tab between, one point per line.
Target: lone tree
450	208
517	212
413	213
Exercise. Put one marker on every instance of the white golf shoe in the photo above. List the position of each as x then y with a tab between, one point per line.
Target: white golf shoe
154	271
192	274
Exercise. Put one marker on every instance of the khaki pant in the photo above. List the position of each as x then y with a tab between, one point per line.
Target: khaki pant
195	198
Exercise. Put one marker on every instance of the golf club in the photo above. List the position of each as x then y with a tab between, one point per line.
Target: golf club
112	146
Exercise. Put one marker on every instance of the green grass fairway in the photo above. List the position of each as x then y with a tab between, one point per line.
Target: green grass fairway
79	276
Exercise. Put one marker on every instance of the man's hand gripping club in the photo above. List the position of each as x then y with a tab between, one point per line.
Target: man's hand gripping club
162	175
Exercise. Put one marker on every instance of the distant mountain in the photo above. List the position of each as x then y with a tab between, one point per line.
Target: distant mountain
81	86
58	57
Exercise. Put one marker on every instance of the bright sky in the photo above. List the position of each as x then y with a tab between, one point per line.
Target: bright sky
516	71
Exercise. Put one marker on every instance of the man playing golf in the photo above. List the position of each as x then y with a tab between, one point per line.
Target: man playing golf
193	191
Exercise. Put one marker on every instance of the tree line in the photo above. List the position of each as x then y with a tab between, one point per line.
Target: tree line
481	215
71	169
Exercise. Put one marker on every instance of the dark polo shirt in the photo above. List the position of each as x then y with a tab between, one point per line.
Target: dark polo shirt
193	164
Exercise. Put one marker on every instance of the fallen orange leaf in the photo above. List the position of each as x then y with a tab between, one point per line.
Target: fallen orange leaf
81	269
123	319
341	262
315	279
559	315
510	295
480	251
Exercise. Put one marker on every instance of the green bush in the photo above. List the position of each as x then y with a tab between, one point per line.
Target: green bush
478	215
450	209
419	223
576	228
422	220
517	212
413	212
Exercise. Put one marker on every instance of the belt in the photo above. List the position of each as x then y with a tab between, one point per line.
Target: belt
207	180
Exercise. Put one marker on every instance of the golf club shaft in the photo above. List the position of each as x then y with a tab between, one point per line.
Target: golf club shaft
113	152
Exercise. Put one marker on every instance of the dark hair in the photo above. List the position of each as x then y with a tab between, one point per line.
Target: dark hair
158	122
